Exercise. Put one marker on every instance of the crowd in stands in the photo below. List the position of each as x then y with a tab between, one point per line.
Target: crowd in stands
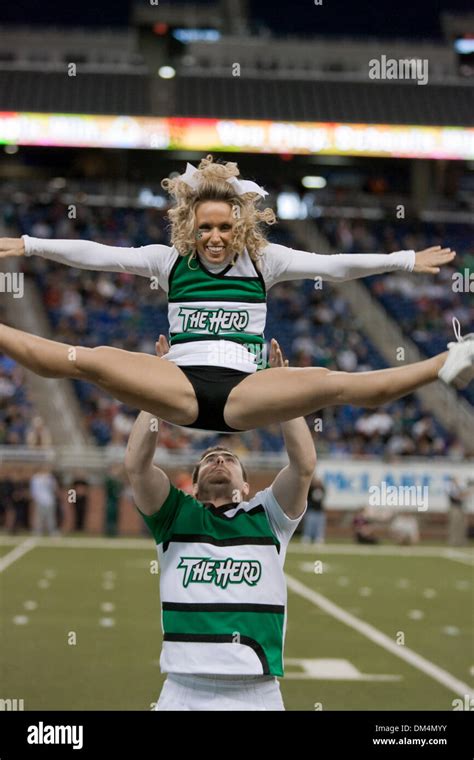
314	327
19	423
423	306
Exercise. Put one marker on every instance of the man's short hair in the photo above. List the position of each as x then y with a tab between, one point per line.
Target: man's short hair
208	451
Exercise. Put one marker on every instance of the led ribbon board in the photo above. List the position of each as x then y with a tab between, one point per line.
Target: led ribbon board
239	135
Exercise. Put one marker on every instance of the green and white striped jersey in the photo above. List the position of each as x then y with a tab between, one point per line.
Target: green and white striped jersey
222	586
218	318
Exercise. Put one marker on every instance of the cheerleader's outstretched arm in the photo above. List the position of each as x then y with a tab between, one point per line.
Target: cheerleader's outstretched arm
86	254
281	263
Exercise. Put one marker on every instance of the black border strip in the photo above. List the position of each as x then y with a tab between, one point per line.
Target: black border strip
191	299
222	639
278	609
197	538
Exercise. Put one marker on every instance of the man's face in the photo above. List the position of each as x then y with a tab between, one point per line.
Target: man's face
220	473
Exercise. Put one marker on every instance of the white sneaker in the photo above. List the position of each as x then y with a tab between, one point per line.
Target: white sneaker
458	368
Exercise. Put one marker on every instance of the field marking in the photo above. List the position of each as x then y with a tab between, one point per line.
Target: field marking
330	668
17	552
9	540
461	555
378	637
465	557
21	619
146	542
92	542
107	622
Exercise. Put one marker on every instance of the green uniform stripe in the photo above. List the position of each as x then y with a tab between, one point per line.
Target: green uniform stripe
252	526
236	337
182	514
198	284
264	627
217	294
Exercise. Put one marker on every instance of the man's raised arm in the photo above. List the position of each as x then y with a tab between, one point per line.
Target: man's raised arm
150	485
291	485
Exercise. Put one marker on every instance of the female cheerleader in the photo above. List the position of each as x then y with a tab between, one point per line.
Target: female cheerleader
217	273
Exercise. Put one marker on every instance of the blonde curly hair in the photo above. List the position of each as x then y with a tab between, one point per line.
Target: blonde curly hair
247	232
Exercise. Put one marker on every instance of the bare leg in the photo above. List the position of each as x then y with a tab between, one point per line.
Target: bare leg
139	380
282	393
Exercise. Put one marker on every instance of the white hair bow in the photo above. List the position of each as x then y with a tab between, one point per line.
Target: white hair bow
241	185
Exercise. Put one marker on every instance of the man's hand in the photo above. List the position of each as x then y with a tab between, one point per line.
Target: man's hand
431	259
11	247
276	357
162	346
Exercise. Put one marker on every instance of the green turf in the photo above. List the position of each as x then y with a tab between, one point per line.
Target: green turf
117	667
386	609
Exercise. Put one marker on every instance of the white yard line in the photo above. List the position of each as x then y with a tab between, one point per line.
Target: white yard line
408	655
9	540
87	542
457	555
101	542
17	552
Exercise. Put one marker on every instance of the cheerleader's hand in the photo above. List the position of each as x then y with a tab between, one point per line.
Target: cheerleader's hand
431	259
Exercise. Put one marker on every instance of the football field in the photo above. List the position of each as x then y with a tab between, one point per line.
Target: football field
369	628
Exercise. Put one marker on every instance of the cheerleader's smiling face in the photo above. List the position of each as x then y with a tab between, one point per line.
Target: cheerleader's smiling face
214	223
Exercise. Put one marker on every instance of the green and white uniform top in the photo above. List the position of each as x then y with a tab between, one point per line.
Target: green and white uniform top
217	313
222	586
217	318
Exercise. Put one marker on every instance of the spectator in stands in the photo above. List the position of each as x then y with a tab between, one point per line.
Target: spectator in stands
37	433
44	489
122	424
314	523
457	519
174	438
20	502
59	509
363	529
113	486
404	530
81	488
6	492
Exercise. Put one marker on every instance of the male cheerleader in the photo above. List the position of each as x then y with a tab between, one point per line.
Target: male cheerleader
221	555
